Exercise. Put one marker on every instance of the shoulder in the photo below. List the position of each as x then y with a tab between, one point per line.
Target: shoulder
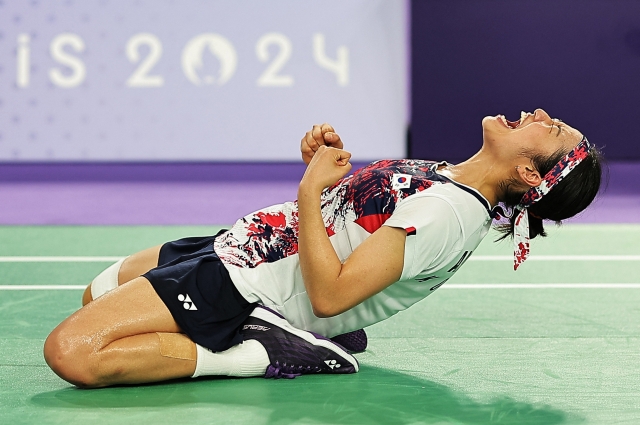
441	222
450	202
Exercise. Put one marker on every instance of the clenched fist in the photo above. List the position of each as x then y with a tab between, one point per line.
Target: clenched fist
327	167
319	135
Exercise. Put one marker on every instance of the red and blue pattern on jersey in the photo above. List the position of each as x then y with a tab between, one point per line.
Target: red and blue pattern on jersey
366	198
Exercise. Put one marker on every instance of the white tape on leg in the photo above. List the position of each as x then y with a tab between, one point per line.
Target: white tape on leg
106	281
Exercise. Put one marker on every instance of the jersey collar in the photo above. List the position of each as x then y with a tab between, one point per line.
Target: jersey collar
475	193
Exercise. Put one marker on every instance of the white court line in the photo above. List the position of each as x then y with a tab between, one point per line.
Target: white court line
41	287
445	286
83	259
99	259
558	258
541	286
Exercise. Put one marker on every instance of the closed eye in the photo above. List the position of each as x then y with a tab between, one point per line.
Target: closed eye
556	122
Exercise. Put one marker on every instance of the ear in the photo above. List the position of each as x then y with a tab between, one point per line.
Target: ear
529	175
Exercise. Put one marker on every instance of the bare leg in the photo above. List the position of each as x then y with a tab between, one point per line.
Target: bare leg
138	264
113	340
128	336
133	266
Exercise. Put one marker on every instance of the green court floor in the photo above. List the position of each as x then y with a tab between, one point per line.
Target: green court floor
557	342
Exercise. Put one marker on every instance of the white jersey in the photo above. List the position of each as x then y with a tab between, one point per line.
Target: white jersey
445	222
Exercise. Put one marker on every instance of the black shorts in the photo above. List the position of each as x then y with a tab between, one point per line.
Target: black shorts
196	288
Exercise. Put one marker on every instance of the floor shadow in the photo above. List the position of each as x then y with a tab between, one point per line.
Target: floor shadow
373	396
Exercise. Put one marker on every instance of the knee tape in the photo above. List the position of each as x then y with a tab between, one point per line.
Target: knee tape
106	281
176	346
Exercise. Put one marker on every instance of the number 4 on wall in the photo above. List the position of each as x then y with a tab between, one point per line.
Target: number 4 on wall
339	66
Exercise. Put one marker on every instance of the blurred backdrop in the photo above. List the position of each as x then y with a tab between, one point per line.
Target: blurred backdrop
196	80
577	59
192	110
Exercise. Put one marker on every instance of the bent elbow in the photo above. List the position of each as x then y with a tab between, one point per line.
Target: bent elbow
324	308
322	314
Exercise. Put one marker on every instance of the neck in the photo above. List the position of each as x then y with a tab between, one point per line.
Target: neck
481	172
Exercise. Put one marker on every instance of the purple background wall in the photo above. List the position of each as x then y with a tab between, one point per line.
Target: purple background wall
577	59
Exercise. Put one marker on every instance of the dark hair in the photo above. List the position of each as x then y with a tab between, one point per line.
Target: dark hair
572	195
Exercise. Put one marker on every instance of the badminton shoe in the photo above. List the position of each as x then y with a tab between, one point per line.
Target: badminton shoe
293	352
354	342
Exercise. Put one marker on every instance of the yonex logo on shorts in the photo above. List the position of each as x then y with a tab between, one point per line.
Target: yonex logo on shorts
256	328
188	304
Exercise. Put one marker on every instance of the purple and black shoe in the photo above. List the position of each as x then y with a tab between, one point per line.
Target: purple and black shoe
294	352
354	342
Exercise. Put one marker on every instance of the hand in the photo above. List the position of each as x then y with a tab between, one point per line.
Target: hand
319	135
327	166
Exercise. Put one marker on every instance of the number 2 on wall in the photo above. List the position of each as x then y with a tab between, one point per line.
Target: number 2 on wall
270	77
141	77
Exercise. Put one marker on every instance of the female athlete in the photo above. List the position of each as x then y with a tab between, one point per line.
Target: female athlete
350	252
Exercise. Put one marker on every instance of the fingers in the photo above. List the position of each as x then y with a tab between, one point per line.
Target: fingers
319	135
322	135
316	133
327	166
309	144
307	152
312	140
326	128
342	157
333	140
330	136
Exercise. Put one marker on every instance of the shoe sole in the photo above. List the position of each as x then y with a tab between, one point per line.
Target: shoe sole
276	319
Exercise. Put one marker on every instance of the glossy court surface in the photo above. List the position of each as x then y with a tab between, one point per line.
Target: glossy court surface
558	342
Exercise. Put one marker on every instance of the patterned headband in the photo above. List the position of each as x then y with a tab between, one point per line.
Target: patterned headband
533	195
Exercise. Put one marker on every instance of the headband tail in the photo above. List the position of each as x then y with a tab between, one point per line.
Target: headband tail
533	195
521	238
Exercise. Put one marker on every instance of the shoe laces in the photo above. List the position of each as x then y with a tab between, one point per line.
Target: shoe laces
288	371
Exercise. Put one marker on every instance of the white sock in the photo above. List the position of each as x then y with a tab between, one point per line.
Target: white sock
243	360
106	281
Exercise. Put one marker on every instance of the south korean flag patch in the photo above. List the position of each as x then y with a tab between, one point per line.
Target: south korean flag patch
401	181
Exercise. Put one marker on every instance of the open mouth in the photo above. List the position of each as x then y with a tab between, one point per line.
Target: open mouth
513	124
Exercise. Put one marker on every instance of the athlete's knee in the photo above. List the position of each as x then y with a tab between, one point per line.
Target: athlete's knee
71	358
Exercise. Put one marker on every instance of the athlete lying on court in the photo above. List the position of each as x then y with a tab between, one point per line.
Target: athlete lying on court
350	252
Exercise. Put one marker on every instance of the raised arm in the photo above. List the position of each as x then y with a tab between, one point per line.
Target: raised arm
334	287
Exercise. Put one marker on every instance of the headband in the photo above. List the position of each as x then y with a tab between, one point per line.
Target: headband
533	195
